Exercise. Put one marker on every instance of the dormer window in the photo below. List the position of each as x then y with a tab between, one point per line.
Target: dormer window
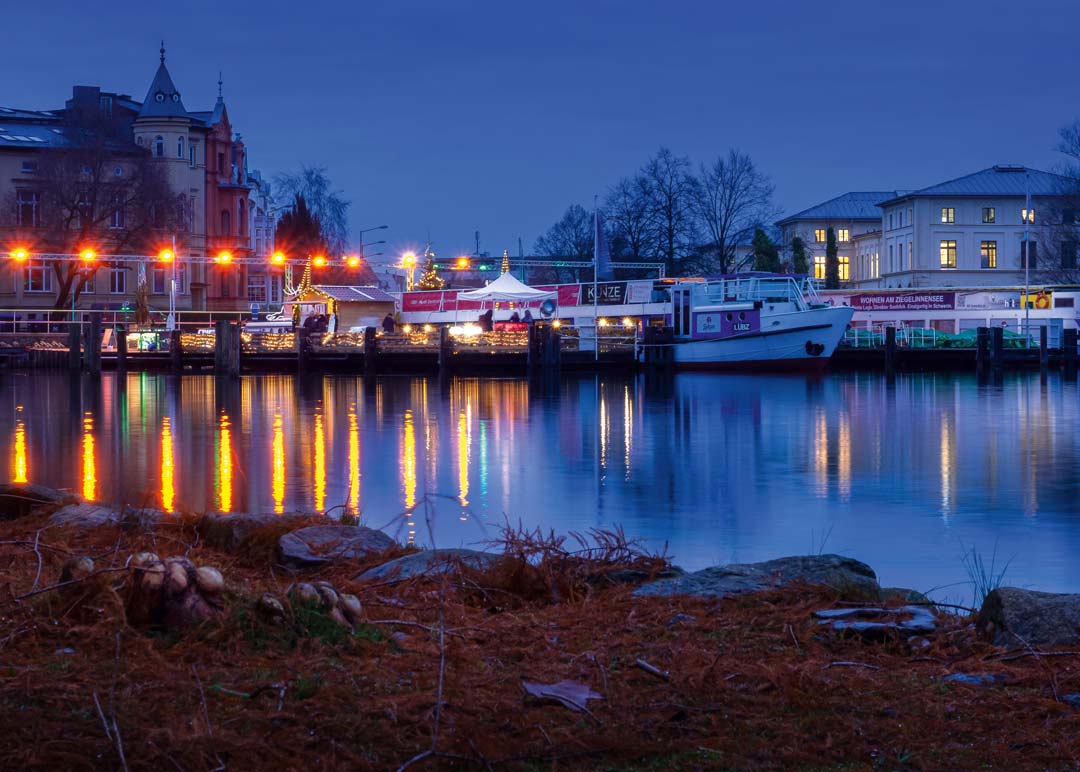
159	96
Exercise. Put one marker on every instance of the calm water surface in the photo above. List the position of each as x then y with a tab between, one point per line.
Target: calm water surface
904	475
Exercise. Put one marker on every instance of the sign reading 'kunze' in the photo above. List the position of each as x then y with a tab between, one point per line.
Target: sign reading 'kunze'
911	301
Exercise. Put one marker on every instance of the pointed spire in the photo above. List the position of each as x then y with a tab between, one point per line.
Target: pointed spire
162	98
220	82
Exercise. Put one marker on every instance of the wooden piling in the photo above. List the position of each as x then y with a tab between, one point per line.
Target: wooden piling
982	350
74	347
890	349
120	332
93	345
221	342
176	352
233	351
1044	348
371	351
997	347
301	351
659	346
1069	351
446	351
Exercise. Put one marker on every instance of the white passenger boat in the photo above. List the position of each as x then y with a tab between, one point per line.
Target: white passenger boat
756	322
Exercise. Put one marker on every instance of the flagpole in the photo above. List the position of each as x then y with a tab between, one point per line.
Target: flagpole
595	274
1027	261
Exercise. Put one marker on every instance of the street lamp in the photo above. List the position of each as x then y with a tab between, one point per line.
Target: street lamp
169	256
408	262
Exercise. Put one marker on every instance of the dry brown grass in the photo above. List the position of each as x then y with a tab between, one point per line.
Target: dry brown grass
750	683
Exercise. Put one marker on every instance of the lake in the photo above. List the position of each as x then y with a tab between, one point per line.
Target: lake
906	474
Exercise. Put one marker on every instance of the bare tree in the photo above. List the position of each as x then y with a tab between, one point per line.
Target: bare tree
1058	261
96	191
329	205
629	217
570	238
731	198
671	197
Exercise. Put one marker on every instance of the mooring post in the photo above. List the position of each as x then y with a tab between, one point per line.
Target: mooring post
997	347
234	349
74	346
533	355
371	351
120	332
982	349
176	352
301	350
890	349
445	350
1044	348
222	346
1069	352
93	344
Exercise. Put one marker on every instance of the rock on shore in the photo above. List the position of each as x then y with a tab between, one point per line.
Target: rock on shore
1014	617
428	563
320	544
741	578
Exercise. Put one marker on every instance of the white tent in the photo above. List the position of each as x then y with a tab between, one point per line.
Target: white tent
506	287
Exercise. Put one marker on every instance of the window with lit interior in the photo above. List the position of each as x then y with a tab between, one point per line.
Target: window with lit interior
819	266
988	254
948	253
819	235
948	214
989	215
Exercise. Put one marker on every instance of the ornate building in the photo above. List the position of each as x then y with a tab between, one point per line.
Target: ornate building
219	206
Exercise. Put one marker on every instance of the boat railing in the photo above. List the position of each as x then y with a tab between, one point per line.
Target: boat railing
778	289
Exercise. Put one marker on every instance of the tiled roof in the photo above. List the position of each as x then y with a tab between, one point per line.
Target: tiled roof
359	294
998	181
858	205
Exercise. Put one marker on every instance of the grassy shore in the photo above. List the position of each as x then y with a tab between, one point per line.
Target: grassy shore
433	676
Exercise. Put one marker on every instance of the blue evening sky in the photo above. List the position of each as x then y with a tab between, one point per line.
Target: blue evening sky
448	117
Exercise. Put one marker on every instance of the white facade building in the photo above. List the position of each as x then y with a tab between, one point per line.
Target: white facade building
968	232
852	216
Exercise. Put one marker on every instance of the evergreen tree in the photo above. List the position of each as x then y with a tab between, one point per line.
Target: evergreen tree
766	255
799	263
832	262
299	232
430	279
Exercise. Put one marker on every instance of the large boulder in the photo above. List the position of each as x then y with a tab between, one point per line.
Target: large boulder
846	575
321	544
227	532
20	499
429	563
85	515
1013	617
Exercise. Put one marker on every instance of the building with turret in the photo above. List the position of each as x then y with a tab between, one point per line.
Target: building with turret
218	204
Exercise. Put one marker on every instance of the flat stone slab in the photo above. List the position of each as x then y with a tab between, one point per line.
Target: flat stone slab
90	515
320	544
429	563
874	622
1013	617
20	499
741	578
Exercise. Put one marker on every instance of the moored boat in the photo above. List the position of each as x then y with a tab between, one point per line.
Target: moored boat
755	322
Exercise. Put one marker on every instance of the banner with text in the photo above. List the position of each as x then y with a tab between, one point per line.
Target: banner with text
908	301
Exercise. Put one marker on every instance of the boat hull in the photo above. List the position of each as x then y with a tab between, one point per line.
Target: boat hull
798	341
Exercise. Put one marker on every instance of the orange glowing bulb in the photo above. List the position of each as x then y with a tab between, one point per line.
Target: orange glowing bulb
319	261
277	258
352	261
166	255
19	255
224	257
88	255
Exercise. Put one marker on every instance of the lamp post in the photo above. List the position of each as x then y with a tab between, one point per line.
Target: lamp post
1027	257
170	320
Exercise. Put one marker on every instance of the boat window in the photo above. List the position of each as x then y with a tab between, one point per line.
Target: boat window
729	317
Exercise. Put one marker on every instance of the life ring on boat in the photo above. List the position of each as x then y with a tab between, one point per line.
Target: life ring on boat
814	349
1042	300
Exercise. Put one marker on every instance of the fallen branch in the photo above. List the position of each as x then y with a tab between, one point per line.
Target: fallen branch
68	583
1036	653
851	664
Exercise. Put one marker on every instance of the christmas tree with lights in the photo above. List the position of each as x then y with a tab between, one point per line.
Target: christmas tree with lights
430	279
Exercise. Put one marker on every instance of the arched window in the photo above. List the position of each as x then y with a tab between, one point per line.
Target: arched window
182	213
241	222
226	227
179	147
159	146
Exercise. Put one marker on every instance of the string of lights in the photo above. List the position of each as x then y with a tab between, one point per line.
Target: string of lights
90	256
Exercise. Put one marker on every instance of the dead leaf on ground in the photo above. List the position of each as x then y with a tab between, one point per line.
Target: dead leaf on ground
572	694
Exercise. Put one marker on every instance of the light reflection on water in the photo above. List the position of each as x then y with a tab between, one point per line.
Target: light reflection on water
904	475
